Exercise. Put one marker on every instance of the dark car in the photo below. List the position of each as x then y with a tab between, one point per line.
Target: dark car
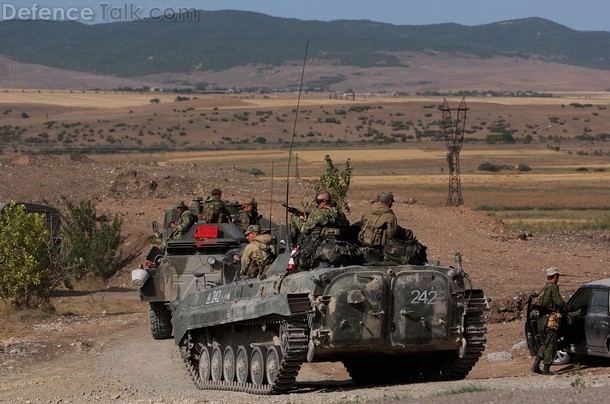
584	329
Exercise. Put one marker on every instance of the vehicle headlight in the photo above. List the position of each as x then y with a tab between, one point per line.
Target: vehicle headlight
211	260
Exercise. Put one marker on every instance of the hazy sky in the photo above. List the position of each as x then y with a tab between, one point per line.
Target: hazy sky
585	15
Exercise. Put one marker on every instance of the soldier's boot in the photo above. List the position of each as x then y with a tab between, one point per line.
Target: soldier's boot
536	365
547	370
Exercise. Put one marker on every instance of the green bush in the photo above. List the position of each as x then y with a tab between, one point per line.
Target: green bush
25	275
90	242
335	182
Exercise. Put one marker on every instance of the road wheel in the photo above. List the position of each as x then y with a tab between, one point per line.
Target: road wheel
204	364
242	364
160	319
228	364
257	365
272	366
216	363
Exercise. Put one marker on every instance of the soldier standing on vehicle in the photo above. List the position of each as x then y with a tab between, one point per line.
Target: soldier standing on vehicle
214	208
550	303
187	219
258	254
247	215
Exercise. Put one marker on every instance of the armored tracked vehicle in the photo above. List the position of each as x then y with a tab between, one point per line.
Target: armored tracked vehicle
184	266
386	323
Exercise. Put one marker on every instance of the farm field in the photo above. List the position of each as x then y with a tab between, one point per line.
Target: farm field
394	143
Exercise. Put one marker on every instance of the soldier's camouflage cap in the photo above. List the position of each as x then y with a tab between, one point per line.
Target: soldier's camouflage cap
386	197
252	228
216	191
180	204
247	201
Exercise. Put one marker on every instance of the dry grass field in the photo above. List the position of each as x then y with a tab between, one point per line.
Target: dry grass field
393	143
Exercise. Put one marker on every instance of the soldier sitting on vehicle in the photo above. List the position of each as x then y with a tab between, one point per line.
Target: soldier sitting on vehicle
247	215
258	254
187	219
319	236
214	209
378	226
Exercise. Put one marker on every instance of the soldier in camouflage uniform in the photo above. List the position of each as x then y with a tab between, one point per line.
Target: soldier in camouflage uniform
258	254
214	209
247	215
187	219
550	301
378	226
323	222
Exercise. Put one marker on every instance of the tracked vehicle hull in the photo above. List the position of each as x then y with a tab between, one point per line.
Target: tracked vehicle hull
386	323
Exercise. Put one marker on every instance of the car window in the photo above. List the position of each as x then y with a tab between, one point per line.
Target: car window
581	299
599	303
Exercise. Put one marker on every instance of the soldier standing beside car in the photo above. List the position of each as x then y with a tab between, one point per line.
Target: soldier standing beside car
550	303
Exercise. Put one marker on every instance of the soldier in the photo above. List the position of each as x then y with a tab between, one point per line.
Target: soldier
550	303
258	254
214	209
187	219
380	224
325	222
247	215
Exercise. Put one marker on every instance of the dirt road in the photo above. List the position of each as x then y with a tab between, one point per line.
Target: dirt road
112	358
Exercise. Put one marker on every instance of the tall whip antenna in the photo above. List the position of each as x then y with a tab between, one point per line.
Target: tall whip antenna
271	204
294	128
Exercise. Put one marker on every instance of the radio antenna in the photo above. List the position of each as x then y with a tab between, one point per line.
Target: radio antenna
296	115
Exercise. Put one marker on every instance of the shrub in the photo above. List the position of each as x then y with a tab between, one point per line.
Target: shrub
335	182
26	276
90	242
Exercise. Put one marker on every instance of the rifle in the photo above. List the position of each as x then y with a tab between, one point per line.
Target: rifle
295	211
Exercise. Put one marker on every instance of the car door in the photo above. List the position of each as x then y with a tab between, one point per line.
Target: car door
596	323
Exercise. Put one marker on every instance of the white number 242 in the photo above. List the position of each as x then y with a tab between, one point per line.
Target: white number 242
423	296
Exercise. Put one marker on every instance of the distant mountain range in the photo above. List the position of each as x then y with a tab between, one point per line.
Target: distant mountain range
220	40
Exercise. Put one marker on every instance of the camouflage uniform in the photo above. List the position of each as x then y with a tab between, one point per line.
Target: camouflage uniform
323	225
258	255
551	300
243	219
328	217
187	219
378	226
215	211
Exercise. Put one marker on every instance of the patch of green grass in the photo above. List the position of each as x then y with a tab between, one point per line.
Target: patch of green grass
552	219
578	379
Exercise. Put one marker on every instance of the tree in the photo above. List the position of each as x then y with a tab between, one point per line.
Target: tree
335	182
26	277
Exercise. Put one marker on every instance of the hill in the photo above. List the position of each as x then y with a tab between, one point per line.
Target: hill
221	40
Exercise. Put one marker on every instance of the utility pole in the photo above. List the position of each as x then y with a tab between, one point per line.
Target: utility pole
454	139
